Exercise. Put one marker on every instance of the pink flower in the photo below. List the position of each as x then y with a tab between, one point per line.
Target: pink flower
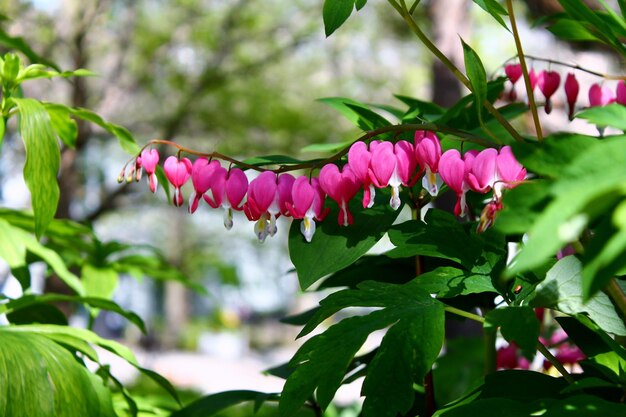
308	204
533	78
571	92
621	92
392	165
177	172
514	72
228	188
548	83
427	154
149	162
359	158
202	173
341	187
497	170
453	171
266	194
600	95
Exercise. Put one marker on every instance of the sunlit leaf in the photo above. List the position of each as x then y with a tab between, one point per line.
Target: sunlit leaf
335	13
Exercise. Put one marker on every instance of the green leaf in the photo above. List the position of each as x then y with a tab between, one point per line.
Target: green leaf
610	115
440	236
19	44
571	30
99	281
335	13
64	126
124	137
494	9
477	76
12	250
562	291
517	324
214	403
2	129
10	69
448	282
461	366
406	353
522	206
100	303
360	4
40	378
42	160
334	247
372	268
327	147
272	160
358	113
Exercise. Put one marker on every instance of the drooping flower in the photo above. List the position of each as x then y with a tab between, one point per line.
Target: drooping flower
228	188
571	92
427	154
548	83
341	186
177	172
392	165
266	194
149	162
509	171
453	171
513	72
600	95
488	215
533	78
495	170
620	93
359	158
307	204
202	173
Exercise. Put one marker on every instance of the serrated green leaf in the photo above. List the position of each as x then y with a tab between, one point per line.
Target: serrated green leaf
335	13
448	282
517	324
610	115
42	160
562	290
440	236
64	126
408	350
214	403
477	76
334	247
44	379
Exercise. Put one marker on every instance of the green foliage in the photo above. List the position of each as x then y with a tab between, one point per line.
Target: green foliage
518	325
477	76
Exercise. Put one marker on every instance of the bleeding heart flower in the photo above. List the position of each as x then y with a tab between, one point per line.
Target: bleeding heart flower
600	95
497	170
267	199
228	188
513	72
453	171
177	172
509	171
341	187
392	165
533	78
359	158
427	154
308	204
149	162
548	83
620	96
571	92
202	173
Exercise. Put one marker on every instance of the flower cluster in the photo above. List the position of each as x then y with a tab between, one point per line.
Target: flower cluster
548	83
379	164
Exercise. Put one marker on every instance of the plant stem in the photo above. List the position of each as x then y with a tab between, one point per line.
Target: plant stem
464	313
463	136
540	347
554	361
617	295
408	18
522	60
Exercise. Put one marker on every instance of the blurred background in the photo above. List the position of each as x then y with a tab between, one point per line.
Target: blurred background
240	77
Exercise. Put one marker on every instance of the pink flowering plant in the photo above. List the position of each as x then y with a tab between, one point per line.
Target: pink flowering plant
489	222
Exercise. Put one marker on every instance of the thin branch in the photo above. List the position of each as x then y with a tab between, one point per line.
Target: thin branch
573	66
529	89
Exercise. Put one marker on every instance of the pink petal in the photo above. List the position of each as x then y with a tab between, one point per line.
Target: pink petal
284	185
452	170
302	195
262	191
483	173
405	160
149	160
236	187
427	150
600	95
509	170
359	160
513	71
382	164
621	92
